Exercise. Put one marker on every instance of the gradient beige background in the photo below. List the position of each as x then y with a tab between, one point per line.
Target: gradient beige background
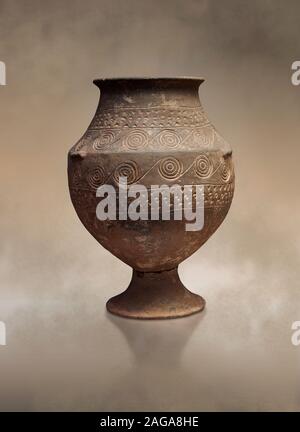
64	351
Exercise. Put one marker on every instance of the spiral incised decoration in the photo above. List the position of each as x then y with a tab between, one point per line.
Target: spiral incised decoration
106	138
170	168
169	138
136	139
225	171
203	166
128	169
96	177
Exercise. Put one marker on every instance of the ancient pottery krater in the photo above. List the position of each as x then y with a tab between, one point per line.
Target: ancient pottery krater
153	131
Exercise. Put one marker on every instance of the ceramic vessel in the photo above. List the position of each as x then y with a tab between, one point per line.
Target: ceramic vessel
153	131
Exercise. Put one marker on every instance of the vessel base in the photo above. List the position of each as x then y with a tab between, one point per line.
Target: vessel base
155	295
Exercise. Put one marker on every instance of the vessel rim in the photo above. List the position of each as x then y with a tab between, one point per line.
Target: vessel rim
149	79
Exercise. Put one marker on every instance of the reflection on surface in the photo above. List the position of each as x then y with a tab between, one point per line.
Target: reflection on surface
157	342
72	355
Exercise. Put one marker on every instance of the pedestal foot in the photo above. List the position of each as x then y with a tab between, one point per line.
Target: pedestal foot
155	295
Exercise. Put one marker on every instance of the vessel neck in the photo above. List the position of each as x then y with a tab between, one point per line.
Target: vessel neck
149	93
